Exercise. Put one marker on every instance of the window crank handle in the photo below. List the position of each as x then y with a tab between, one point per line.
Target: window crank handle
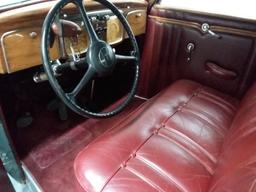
214	34
206	29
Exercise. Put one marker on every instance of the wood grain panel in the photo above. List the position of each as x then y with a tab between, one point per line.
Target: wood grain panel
114	30
80	46
114	35
24	16
2	66
137	21
21	50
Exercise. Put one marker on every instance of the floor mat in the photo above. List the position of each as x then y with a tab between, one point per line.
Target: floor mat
53	149
51	158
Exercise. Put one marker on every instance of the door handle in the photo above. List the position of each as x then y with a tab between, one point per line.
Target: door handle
216	70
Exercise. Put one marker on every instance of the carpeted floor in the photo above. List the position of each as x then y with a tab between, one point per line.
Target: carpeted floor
49	146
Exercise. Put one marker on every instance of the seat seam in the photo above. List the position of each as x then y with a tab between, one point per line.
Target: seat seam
248	129
110	178
207	168
207	115
221	105
223	101
161	172
146	180
177	132
248	162
253	186
219	131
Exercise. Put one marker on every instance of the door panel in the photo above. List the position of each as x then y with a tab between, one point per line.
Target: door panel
230	53
226	63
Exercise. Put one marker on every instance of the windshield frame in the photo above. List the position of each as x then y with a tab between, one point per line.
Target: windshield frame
20	4
5	4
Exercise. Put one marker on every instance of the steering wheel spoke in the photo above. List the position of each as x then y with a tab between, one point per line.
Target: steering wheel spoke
125	58
89	27
90	73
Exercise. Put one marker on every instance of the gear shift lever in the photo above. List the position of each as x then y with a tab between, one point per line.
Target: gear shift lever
64	28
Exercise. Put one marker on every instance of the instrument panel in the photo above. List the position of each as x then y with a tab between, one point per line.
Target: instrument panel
21	38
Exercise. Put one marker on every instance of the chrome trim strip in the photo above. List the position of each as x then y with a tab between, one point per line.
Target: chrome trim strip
142	98
30	185
4	50
31	178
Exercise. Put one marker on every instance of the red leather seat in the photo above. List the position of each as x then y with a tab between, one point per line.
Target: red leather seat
181	140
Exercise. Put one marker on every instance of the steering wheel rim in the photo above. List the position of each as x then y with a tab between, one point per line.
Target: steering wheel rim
68	98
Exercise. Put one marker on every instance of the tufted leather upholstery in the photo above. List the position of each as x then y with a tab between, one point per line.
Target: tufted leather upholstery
180	140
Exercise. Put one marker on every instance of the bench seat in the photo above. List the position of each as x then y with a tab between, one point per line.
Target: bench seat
188	138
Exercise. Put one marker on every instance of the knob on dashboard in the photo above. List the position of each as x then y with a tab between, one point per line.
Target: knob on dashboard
33	34
106	17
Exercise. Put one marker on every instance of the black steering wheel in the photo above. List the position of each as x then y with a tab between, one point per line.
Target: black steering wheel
100	58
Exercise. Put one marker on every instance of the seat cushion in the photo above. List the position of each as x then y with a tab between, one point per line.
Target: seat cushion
171	143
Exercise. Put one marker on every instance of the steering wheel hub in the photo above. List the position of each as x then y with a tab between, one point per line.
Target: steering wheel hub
102	57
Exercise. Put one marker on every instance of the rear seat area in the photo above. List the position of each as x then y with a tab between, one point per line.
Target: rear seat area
188	138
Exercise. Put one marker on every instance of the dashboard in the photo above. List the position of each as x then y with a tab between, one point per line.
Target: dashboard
20	32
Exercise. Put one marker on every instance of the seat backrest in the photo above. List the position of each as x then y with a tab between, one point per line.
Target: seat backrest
236	171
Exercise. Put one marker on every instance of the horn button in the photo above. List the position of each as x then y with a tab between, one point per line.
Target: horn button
101	56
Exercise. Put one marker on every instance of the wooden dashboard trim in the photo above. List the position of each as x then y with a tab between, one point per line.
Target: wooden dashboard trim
32	16
38	11
135	18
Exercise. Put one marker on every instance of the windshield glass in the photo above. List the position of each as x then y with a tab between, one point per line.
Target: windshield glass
9	2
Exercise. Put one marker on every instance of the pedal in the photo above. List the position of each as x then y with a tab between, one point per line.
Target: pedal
24	121
57	105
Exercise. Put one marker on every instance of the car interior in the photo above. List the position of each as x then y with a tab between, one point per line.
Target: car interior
127	96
